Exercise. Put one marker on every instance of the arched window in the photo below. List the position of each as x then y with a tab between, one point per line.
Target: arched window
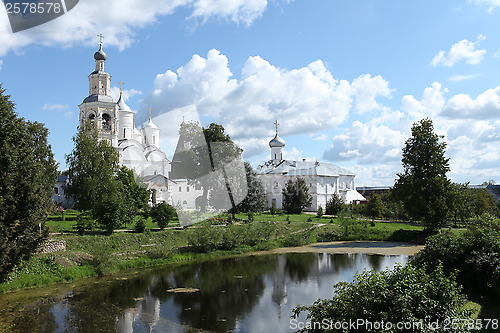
92	118
106	122
154	139
184	202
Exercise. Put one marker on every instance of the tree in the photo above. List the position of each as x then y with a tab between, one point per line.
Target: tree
162	214
27	175
423	187
209	158
255	200
401	295
375	207
483	201
111	195
461	203
92	166
334	205
296	196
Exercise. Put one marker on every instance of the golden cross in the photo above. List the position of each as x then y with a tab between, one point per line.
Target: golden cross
121	83
150	113
101	37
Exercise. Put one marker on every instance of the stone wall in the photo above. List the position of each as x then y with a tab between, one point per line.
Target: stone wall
52	246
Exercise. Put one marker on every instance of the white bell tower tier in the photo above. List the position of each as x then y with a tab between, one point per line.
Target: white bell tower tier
125	120
151	133
277	144
99	107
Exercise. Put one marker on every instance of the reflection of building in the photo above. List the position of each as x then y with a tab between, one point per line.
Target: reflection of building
323	179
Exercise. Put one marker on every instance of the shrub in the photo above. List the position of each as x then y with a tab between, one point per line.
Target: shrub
334	205
403	294
320	212
140	225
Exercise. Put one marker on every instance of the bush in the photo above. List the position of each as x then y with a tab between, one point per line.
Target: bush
320	212
403	294
474	253
334	205
162	214
140	225
300	238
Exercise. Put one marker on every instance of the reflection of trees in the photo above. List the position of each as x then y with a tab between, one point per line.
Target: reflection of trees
375	261
228	289
37	316
299	265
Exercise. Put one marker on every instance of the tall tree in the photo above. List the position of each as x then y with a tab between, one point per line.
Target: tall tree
296	196
204	157
423	187
375	207
97	185
334	205
27	175
255	200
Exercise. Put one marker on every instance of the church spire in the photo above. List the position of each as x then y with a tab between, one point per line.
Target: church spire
276	144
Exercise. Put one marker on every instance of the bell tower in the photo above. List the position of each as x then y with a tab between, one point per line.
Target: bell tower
276	144
99	107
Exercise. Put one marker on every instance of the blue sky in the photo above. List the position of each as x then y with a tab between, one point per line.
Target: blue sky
345	79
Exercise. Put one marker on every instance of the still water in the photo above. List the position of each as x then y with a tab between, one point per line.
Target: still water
244	294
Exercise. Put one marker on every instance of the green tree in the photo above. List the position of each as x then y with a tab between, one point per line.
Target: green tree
483	201
255	200
162	214
375	207
27	175
97	185
423	187
401	295
334	205
203	156
296	196
461	203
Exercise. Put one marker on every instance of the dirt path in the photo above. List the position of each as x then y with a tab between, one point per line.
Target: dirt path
383	248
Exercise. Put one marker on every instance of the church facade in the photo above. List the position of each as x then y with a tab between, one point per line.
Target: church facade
138	147
323	179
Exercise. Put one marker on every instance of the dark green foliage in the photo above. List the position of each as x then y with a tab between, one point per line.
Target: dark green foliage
403	294
296	196
334	205
273	210
319	214
27	175
140	225
375	207
474	253
483	201
255	200
423	187
83	223
111	194
162	214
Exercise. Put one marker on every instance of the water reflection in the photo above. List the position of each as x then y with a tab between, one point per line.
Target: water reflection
246	294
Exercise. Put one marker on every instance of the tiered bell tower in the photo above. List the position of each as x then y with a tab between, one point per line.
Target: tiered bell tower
99	107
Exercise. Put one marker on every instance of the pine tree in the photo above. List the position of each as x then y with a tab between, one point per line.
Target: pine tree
255	200
27	175
296	196
423	187
334	205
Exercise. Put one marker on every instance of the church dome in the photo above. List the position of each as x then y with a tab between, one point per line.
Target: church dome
100	55
150	124
277	142
122	106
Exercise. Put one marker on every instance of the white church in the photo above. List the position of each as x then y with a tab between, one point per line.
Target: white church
323	179
139	150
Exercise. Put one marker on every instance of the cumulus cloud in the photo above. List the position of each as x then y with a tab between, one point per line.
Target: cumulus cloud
485	106
54	107
463	50
304	100
119	19
367	89
430	105
491	4
367	143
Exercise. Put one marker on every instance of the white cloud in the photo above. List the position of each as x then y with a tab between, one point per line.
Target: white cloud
490	3
485	106
459	77
367	89
497	54
54	107
367	143
430	105
304	100
321	137
119	20
463	50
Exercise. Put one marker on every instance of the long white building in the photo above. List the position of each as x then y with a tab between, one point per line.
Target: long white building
323	179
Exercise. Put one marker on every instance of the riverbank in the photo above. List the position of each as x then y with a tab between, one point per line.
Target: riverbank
350	247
